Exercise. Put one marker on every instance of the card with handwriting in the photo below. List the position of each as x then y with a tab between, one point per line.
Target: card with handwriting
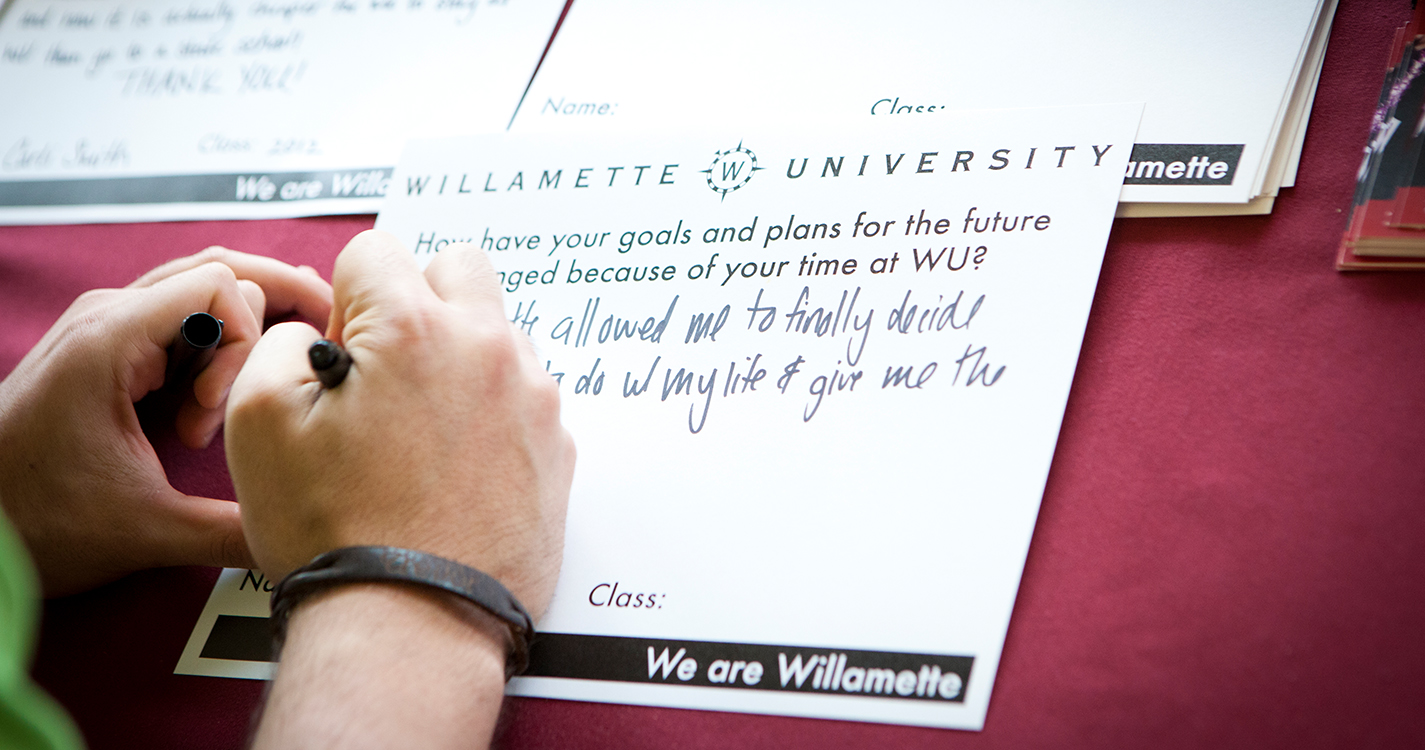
815	380
213	109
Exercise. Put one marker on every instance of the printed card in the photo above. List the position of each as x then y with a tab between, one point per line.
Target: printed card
815	379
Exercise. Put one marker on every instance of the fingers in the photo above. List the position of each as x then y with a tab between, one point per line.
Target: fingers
462	275
255	297
278	368
196	424
288	289
190	530
373	271
210	288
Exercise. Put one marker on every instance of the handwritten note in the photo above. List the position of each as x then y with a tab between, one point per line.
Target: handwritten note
815	379
153	109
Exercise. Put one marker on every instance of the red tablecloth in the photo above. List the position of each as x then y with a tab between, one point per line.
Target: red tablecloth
1231	550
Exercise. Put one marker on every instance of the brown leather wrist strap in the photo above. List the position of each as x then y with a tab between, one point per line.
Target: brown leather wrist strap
396	565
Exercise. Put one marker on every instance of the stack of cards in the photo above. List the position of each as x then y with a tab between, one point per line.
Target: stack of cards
1388	212
1227	86
163	110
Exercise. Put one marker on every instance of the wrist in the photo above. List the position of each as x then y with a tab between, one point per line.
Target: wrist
360	614
362	658
381	564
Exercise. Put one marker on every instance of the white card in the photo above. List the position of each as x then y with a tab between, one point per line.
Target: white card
232	637
174	109
1215	75
815	380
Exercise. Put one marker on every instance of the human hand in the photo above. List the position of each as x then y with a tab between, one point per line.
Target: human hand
78	477
444	437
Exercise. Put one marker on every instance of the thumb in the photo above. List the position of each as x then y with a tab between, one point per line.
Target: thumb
193	530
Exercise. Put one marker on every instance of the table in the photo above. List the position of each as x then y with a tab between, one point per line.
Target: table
1230	553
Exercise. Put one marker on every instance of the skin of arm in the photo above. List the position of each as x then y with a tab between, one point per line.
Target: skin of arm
444	438
386	666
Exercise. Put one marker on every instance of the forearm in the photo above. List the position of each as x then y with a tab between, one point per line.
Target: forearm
379	665
320	468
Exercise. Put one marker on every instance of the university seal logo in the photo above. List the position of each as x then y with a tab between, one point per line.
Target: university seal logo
731	169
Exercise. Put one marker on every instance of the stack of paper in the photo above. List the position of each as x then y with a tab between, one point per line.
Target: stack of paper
1227	85
1388	212
155	110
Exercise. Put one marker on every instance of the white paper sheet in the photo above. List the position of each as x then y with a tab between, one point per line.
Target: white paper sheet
815	406
232	637
1216	75
1299	138
210	109
1271	175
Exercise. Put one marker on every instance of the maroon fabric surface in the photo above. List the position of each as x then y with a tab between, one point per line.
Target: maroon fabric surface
1231	550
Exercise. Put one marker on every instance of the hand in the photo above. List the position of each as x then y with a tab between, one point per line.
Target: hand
78	478
444	437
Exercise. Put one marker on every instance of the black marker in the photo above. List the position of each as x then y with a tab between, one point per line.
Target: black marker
330	362
197	342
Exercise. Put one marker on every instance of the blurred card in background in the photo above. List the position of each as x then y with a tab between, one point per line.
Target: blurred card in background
1228	85
211	109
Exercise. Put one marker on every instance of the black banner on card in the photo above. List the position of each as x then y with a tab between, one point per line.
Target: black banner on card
251	187
1183	164
747	666
239	638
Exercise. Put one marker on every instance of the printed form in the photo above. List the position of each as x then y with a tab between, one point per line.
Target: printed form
815	379
1218	77
153	110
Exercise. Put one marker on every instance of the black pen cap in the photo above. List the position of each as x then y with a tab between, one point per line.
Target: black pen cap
197	342
201	331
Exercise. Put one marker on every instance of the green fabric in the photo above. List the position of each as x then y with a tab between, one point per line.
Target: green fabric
29	718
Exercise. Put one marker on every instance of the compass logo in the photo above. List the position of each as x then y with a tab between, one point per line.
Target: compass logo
731	169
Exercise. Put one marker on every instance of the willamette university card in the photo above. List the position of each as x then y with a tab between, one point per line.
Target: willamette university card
1224	83
815	380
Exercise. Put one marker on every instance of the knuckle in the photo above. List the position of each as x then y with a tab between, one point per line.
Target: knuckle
497	341
253	291
471	259
571	451
220	272
545	392
93	315
368	235
230	547
497	351
413	321
211	254
94	298
254	403
369	240
97	305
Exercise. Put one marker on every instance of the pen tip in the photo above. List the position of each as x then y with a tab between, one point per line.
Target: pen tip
323	354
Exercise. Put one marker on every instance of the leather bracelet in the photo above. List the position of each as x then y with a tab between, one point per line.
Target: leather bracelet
396	565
